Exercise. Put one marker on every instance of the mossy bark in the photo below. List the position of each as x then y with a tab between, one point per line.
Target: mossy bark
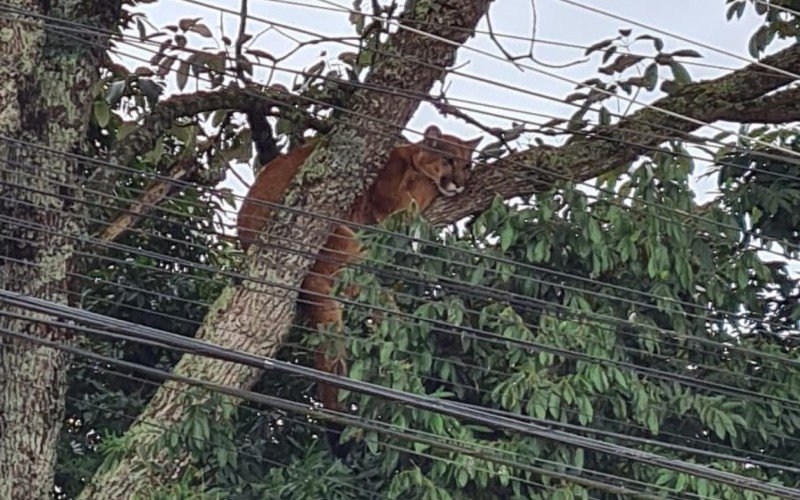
46	90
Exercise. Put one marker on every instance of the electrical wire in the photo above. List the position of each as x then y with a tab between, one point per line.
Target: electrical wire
465	329
558	175
334	7
301	327
593	135
473	254
421	96
775	6
606	13
444	407
578	428
665	358
522	301
337	417
532	68
496	83
580	84
310	422
452	284
121	262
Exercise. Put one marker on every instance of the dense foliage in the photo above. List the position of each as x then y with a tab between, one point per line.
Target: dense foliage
634	310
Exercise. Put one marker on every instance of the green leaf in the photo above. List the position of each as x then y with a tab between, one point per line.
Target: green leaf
420	447
679	73
652	422
702	487
115	91
101	112
650	78
462	478
578	459
183	74
598	46
595	234
686	53
507	236
386	352
357	370
657	42
371	439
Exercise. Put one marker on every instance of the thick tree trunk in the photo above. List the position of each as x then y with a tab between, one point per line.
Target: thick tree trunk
342	166
46	89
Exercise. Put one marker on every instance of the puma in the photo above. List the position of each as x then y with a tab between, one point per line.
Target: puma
420	172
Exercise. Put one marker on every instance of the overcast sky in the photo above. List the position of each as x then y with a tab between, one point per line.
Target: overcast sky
699	20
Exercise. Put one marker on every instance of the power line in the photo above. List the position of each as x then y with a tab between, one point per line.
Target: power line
86	28
353	421
334	7
451	283
296	325
543	309
667	409
591	135
415	96
482	334
594	88
405	434
587	429
521	300
776	6
606	13
395	234
544	72
562	176
458	410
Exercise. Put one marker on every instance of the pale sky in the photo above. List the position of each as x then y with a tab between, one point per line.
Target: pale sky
699	20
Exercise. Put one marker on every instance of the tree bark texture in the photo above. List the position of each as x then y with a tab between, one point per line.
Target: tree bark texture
254	317
737	96
47	85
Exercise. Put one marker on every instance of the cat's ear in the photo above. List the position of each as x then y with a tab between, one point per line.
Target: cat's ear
473	143
432	137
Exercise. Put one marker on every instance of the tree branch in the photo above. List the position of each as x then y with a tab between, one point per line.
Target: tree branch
782	107
263	139
344	163
249	99
153	195
737	96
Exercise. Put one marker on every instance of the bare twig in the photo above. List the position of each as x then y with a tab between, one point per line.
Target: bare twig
240	39
530	55
446	108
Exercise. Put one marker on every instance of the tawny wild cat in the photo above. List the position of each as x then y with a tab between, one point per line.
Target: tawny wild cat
438	165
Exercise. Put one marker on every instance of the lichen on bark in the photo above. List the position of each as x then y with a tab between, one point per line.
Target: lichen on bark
40	216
